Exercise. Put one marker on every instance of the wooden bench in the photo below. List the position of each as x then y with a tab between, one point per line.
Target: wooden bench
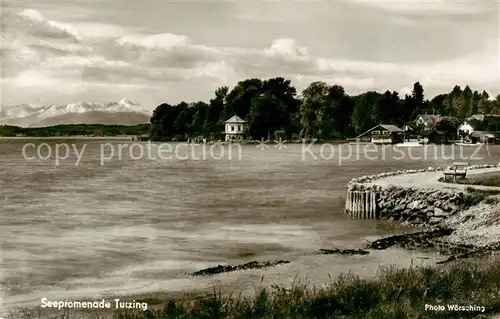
458	169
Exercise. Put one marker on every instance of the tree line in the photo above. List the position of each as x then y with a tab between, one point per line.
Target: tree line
273	108
75	130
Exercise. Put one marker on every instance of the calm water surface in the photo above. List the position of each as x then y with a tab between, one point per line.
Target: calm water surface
137	225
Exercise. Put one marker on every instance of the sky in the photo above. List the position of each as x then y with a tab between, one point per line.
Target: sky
65	51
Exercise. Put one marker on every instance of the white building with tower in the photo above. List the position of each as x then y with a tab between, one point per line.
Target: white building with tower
235	127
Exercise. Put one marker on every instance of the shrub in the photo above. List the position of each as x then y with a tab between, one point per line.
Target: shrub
279	134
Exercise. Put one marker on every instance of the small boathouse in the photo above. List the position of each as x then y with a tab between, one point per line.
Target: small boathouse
382	134
235	127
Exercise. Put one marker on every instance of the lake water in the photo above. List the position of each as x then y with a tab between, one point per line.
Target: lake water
135	224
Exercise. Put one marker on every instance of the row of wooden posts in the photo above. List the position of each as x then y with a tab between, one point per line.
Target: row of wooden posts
362	204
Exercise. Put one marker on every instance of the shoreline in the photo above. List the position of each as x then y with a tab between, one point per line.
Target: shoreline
481	298
135	139
156	300
75	137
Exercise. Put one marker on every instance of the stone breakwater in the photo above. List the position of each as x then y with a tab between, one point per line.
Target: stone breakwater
414	205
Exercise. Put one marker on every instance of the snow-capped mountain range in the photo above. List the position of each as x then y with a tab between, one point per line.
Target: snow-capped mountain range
123	112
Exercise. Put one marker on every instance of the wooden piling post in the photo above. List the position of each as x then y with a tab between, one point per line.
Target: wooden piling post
355	210
363	205
358	205
367	200
351	209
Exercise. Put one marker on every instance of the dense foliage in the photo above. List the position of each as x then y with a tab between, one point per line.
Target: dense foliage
75	130
274	108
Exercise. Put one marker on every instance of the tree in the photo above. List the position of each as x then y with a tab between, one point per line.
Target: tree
361	119
199	117
282	90
415	103
313	98
238	101
466	104
475	102
214	115
161	121
385	110
325	111
484	105
271	107
437	105
446	124
266	116
183	116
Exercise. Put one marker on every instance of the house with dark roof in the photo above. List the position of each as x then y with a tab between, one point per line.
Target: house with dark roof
483	137
427	122
479	122
234	128
383	134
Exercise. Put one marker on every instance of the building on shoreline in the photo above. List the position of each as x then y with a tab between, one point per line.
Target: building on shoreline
427	122
382	134
234	129
483	137
483	128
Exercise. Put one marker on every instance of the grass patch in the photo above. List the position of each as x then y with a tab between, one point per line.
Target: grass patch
474	196
486	179
490	179
395	293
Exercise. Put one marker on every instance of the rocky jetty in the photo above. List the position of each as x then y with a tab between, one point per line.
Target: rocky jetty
228	268
414	205
462	220
423	207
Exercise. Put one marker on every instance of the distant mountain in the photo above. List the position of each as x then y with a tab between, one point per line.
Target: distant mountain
122	112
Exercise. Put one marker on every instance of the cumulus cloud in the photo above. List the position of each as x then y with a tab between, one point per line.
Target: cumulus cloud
288	49
43	27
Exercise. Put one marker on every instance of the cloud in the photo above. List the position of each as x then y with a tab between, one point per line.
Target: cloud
50	57
43	27
442	7
32	78
164	50
29	39
288	49
166	41
405	91
219	70
95	30
283	56
35	82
